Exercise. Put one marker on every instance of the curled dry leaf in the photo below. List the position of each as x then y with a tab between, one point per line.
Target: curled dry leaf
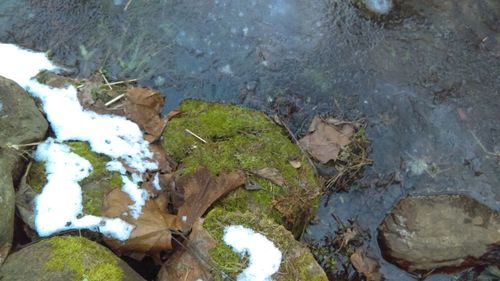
143	106
271	174
366	265
326	138
192	261
151	234
201	190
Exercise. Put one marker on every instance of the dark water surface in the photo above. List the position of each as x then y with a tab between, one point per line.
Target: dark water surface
426	78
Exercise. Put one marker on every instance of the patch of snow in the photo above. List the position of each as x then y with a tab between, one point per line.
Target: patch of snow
139	196
379	6
1	106
58	208
264	257
156	181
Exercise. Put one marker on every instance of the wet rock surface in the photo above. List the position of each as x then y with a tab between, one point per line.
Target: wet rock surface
436	233
20	123
66	258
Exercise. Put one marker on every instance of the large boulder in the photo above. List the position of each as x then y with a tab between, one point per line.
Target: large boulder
64	258
437	233
21	123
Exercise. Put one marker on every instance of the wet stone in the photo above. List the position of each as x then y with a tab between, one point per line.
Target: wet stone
20	123
440	233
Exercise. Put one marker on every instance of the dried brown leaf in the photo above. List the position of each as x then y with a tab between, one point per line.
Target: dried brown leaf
366	265
201	190
271	174
193	261
143	106
151	234
324	141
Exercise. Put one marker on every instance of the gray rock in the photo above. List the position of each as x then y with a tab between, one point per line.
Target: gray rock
20	123
443	232
63	258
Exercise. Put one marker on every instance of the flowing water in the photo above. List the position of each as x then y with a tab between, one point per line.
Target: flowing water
426	78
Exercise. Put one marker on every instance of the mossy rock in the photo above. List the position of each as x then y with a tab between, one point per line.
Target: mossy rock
94	187
239	138
297	263
66	258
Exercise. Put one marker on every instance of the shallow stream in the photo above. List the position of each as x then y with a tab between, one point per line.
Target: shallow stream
426	78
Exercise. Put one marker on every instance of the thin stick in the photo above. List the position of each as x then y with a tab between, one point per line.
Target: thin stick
126	5
196	136
114	100
122	82
105	80
485	150
296	141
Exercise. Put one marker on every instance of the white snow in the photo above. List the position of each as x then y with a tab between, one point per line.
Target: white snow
59	206
264	257
379	6
156	181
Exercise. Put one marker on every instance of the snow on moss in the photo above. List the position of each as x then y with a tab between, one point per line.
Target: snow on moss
264	256
59	206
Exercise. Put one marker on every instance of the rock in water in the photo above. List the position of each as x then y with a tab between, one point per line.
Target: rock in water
20	123
441	233
63	258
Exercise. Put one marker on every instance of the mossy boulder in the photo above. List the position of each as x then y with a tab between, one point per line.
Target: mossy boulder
94	187
66	258
21	123
297	262
239	138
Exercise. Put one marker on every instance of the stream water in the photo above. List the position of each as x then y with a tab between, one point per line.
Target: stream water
426	78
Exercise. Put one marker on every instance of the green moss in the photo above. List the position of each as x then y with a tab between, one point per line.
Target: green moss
297	264
95	186
239	138
85	259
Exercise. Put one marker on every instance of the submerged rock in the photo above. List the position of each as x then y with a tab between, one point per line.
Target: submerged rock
440	233
64	258
21	123
242	139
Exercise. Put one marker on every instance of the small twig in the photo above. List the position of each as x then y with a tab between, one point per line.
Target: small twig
17	146
483	147
121	82
105	79
114	100
126	5
296	141
196	136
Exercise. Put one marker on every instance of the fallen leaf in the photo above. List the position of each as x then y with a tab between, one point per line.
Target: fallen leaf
161	157
143	106
366	265
190	263
151	234
173	113
325	139
271	174
295	163
201	190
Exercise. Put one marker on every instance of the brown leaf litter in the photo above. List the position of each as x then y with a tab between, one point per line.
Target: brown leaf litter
192	262
201	190
366	265
326	138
